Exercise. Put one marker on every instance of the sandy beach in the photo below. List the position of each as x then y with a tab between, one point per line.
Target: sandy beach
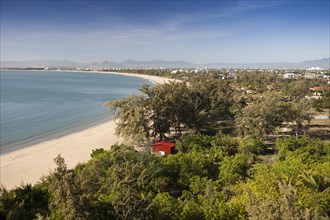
29	164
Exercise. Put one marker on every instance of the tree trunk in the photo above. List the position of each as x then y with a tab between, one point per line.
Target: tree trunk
296	131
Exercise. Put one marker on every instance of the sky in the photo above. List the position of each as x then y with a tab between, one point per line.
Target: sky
193	31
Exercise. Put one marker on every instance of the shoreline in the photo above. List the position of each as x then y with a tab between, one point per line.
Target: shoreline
50	136
29	164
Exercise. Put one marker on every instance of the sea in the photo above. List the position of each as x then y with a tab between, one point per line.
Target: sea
36	106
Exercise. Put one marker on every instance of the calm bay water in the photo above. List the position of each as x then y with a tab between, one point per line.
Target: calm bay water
40	105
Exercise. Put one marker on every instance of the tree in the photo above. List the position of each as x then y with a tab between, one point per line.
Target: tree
295	186
67	200
168	108
131	113
262	116
233	169
255	80
297	90
165	207
163	110
213	96
297	112
24	202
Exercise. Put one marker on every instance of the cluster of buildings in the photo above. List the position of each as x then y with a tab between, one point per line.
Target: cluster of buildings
306	75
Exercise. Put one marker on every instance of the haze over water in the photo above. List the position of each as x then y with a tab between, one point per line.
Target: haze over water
40	105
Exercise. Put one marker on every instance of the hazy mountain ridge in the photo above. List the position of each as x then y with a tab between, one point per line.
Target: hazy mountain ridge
42	63
321	63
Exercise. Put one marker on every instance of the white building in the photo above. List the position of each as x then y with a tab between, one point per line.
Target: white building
314	68
310	76
289	76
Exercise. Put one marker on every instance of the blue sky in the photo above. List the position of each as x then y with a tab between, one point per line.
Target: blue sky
195	31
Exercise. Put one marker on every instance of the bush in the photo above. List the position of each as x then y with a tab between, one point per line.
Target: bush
24	202
194	142
97	152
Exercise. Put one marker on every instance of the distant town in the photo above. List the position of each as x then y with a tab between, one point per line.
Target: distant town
225	73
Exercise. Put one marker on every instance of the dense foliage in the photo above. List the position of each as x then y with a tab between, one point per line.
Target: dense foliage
208	103
165	109
212	177
225	168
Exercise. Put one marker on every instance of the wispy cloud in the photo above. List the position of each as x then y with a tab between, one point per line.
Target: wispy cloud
193	31
180	20
172	27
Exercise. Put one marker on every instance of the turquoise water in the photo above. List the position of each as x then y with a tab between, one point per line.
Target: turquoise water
40	105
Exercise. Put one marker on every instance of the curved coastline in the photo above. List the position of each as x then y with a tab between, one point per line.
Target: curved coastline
29	164
11	147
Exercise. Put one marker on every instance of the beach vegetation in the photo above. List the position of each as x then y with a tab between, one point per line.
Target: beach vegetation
212	181
24	202
232	160
167	110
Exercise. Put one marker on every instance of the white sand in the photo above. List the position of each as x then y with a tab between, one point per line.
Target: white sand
29	164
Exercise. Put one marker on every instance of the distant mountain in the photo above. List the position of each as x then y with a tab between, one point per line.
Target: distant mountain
157	63
322	63
145	64
42	63
104	64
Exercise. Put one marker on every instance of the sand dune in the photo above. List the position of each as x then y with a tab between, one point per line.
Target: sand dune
29	164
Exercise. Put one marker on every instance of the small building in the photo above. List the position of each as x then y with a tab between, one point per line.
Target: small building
289	76
270	87
232	76
310	76
319	88
163	147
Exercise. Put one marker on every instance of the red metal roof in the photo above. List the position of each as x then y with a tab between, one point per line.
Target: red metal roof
164	143
319	88
163	146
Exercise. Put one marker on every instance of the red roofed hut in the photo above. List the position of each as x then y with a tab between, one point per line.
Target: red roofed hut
163	147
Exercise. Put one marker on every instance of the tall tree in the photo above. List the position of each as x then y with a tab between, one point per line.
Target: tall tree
66	201
296	90
297	112
260	117
164	109
133	120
